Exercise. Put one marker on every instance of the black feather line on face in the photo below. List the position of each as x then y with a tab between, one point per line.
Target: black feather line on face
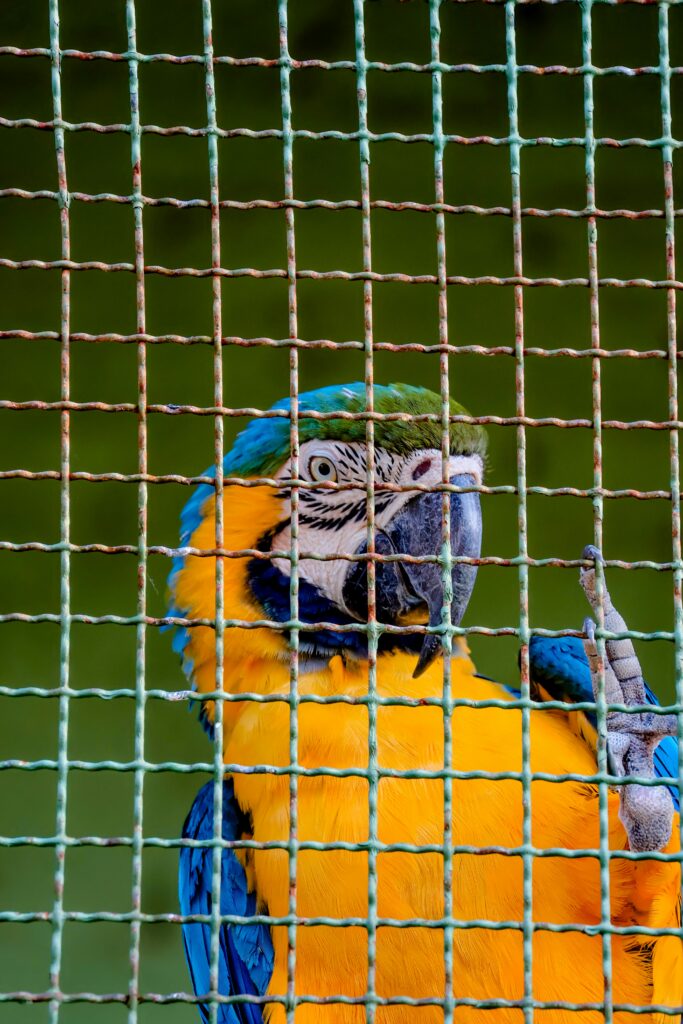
320	512
351	454
352	465
331	520
331	525
314	506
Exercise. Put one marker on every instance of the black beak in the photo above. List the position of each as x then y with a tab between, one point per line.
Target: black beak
403	588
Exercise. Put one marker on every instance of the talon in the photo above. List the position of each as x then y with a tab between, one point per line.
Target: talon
591	552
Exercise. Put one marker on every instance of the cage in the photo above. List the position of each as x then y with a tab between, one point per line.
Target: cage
212	207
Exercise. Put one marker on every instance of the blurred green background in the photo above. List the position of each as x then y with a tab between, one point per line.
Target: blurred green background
95	956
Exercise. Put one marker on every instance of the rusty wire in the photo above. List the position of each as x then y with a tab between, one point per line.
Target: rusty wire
443	282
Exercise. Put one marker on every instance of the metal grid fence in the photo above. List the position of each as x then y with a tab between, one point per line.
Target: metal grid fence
54	995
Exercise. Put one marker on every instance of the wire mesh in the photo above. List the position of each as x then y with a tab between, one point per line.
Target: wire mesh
57	995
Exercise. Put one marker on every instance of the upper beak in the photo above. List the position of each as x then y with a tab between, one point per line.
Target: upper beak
402	586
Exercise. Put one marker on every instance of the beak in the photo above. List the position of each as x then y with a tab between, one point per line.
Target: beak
414	591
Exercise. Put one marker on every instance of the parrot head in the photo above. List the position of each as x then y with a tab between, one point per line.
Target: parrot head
332	528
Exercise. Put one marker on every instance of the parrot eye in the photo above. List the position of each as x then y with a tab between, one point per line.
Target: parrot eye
322	470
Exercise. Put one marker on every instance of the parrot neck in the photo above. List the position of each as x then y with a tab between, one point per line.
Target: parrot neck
340	676
256	659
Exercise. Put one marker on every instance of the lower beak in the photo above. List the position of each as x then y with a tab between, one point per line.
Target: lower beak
403	587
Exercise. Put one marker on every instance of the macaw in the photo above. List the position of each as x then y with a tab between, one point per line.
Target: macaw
487	814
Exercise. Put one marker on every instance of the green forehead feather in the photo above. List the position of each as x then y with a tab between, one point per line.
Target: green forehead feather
264	445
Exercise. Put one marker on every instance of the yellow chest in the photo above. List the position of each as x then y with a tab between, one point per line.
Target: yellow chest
485	885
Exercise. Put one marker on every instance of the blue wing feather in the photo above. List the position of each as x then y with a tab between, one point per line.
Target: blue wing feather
245	951
561	666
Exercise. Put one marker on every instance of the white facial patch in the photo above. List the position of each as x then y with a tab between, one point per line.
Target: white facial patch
334	522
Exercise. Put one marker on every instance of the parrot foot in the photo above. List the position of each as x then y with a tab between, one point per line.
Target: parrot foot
646	812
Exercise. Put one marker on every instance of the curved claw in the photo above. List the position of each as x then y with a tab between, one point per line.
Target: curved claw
591	552
620	653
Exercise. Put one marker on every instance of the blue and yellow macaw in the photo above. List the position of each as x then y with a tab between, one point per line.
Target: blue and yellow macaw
488	963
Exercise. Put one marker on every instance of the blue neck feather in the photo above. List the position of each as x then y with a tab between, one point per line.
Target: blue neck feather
270	587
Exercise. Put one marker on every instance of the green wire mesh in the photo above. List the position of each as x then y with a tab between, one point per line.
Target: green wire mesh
56	996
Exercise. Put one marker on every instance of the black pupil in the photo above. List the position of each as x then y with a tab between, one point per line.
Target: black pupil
324	468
